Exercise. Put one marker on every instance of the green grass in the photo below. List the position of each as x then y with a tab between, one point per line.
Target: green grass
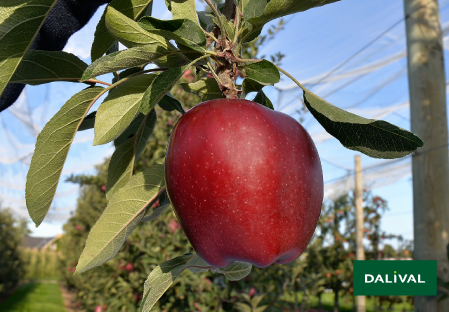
35	297
327	303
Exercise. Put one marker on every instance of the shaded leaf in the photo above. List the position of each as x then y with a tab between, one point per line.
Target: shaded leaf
375	138
20	21
103	40
145	134
261	98
137	56
52	147
243	307
129	32
124	211
169	103
88	122
154	213
161	85
183	31
198	265
264	72
183	9
38	67
120	168
206	89
279	8
160	280
236	271
206	20
249	86
119	108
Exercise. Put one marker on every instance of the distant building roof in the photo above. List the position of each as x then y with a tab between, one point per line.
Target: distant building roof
36	242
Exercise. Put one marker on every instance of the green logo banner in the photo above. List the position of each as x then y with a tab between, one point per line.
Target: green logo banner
398	278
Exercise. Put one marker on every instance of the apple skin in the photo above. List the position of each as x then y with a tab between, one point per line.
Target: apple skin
245	182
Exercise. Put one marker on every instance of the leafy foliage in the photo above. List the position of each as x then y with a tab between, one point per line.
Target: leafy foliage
12	232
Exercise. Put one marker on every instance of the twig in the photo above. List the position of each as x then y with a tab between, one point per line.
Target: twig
222	28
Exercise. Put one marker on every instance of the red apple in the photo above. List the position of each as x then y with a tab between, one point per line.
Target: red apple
245	182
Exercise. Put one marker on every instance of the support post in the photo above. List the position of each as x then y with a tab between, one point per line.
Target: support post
430	168
360	255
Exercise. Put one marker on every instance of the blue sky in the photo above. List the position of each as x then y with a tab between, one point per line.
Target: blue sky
372	84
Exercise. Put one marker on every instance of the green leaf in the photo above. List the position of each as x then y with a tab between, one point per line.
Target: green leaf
52	147
131	130
169	103
154	213
161	85
279	8
236	271
160	280
198	265
375	138
228	25
206	20
253	8
183	31
183	9
120	168
242	307
103	40
20	21
38	67
249	86
264	72
129	32
138	56
144	136
124	211
88	122
119	108
261	98
206	88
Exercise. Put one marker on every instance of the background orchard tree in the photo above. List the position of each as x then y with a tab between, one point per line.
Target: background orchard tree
213	45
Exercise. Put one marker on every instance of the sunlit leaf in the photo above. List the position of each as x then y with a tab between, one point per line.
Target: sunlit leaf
124	211
279	8
103	40
119	108
264	72
160	280
132	57
183	9
129	32
52	147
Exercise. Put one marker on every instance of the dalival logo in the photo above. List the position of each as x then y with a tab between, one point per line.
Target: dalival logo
397	278
384	278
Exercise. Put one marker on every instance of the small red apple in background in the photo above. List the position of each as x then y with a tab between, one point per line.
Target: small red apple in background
245	182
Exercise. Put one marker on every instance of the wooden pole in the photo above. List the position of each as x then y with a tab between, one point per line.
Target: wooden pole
427	84
359	222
